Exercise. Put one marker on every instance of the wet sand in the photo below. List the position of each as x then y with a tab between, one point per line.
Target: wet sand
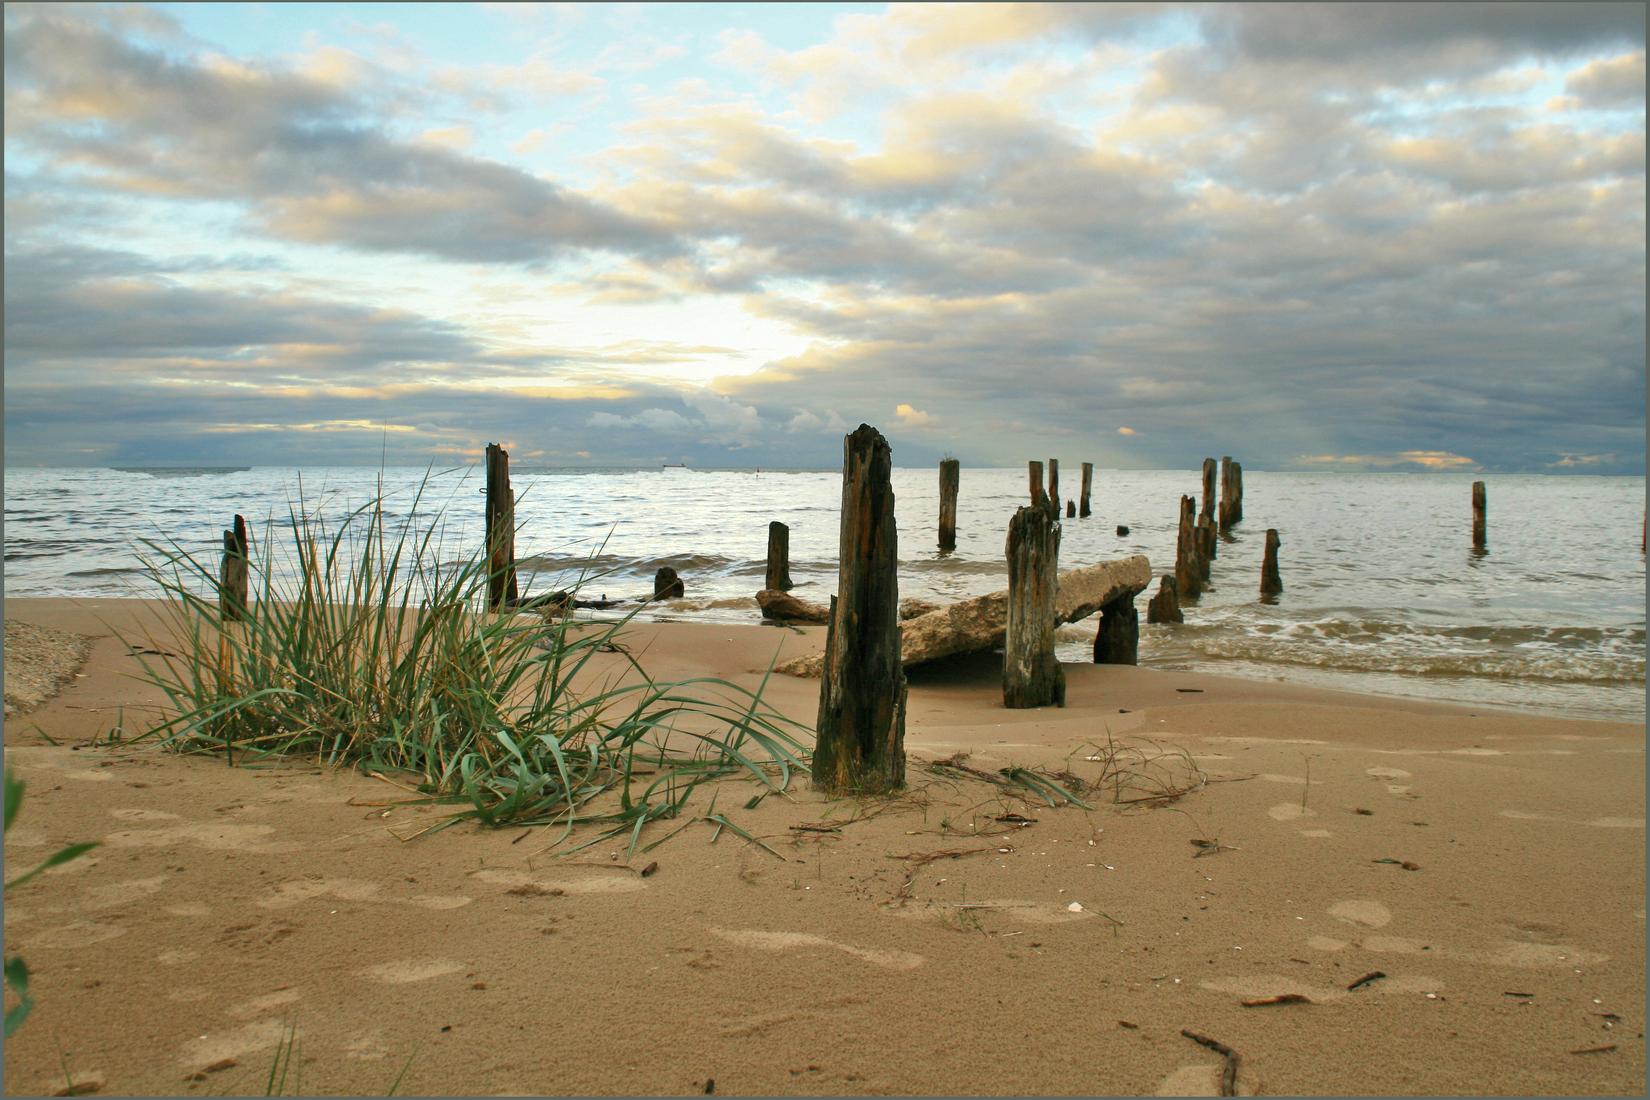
227	905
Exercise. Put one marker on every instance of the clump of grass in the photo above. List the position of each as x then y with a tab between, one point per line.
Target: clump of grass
1142	772
371	649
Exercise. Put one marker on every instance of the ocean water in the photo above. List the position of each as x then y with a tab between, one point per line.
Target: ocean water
1383	591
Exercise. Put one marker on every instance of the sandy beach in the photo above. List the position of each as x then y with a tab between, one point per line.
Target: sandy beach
1488	865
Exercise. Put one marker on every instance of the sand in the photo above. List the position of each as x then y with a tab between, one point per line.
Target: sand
1064	956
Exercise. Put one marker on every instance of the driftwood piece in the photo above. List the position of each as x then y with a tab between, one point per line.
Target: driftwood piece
1270	583
667	585
1165	606
861	723
969	626
782	607
501	531
779	557
232	574
1117	641
950	479
1480	520
1032	676
1088	484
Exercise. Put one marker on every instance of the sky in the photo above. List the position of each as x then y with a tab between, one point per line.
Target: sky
1389	237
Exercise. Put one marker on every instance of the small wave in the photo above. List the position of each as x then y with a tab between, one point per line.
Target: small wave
109	571
181	471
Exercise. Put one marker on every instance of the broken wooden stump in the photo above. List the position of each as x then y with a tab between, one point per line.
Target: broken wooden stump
970	626
1088	484
1122	530
779	557
950	478
861	740
782	607
1117	641
1165	605
666	585
1071	509
501	531
1208	508
1207	541
1188	576
232	573
1270	583
1228	498
1054	483
1034	473
1032	676
1237	502
1480	508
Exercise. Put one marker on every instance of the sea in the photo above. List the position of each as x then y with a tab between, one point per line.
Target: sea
1383	590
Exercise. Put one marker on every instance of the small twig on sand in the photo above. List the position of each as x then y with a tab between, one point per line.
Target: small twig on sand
1280	999
1373	975
1605	1049
1228	1076
806	827
920	859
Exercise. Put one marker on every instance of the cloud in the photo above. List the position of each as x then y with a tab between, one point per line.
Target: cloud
1125	430
911	417
1612	82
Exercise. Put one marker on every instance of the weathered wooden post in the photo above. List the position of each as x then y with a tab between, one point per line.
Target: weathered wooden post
779	557
1088	484
1071	508
501	530
667	584
1117	642
950	478
1237	496
1032	676
1054	483
232	573
1270	583
1224	508
1165	606
1208	508
1034	472
1206	542
1480	525
861	741
1187	575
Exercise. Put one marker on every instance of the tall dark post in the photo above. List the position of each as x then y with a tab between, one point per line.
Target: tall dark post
1480	524
1117	642
1237	494
1034	473
501	530
1270	583
1032	676
1208	508
1054	483
950	479
1224	518
1088	484
1188	577
779	557
861	744
232	574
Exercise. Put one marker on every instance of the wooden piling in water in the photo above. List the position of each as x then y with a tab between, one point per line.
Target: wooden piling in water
1237	500
1088	484
1034	473
1054	483
1071	509
667	584
1480	508
501	531
1032	676
779	558
1208	508
1270	583
232	573
861	743
1223	517
1187	574
1204	530
1117	641
950	479
1165	605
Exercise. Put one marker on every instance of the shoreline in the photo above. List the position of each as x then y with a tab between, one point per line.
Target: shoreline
238	900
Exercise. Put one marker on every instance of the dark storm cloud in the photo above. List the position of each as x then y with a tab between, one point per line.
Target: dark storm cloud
310	162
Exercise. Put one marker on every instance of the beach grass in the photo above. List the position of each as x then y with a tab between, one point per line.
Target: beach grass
368	646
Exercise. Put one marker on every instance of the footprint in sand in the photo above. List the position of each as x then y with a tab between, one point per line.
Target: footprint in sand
189	909
214	836
403	971
78	934
1325	943
143	815
176	957
1274	985
1316	832
295	891
120	893
588	884
216	1046
790	941
262	1006
1274	777
1387	773
1617	822
367	1046
1361	911
90	775
1203	1079
1289	811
